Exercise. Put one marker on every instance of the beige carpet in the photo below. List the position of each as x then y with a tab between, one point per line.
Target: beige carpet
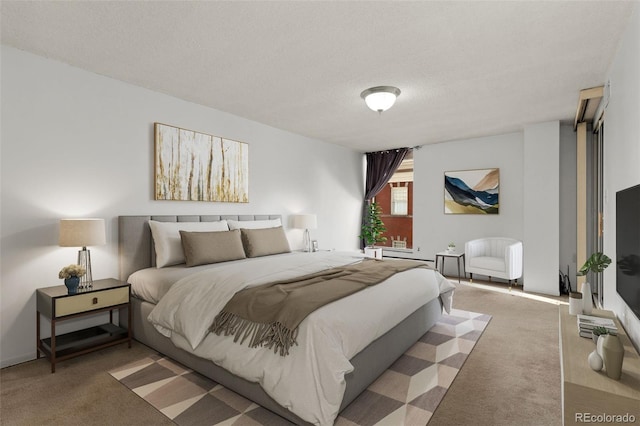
407	393
511	377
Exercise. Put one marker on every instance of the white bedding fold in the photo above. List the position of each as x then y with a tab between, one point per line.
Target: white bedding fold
310	380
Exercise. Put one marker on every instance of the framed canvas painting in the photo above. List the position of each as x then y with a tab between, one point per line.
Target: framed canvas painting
192	166
472	191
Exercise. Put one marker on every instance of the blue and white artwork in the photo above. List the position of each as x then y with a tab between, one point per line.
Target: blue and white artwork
472	191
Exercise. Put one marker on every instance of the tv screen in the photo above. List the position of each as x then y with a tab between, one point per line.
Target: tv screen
628	247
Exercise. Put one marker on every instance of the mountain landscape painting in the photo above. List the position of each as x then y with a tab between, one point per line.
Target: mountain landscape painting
472	191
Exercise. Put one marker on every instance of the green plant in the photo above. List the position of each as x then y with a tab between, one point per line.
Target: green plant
373	227
599	331
597	262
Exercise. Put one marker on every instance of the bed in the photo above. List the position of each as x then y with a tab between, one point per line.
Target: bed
365	362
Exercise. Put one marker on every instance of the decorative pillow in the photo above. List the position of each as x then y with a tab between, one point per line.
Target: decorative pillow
263	242
166	238
254	224
202	248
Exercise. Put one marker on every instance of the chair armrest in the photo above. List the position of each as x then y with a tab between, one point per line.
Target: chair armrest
474	248
513	259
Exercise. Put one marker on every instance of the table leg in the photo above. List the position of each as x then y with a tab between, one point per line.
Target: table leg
458	270
130	316
37	335
464	267
53	346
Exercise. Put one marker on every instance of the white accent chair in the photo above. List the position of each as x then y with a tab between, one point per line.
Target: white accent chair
494	257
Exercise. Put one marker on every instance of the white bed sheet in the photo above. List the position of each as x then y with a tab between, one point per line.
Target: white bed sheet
310	380
151	284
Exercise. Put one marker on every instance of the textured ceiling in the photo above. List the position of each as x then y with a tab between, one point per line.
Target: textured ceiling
465	69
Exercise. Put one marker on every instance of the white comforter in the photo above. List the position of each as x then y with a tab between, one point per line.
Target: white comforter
310	380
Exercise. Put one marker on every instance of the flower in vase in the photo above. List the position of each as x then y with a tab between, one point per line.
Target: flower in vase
71	271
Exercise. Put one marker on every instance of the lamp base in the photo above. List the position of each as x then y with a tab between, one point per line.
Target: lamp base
306	241
84	260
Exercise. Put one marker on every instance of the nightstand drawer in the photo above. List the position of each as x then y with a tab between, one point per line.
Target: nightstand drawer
91	301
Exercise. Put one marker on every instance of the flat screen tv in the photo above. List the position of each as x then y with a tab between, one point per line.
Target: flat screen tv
628	247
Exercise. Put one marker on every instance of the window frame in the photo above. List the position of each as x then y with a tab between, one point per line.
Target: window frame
402	200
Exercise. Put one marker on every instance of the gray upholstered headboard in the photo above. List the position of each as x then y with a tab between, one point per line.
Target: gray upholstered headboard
135	245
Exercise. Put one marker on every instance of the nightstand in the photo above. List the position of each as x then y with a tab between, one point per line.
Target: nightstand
57	305
459	256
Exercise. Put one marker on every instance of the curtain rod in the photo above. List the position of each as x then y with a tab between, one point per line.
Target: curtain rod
394	149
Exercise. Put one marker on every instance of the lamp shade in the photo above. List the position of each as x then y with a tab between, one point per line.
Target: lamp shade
305	221
380	98
82	232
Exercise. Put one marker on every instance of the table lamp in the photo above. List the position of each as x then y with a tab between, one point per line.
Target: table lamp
82	233
306	222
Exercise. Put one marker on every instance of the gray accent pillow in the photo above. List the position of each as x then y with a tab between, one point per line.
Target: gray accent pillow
266	241
166	238
202	248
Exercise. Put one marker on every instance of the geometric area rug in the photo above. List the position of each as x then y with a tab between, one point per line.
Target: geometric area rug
407	393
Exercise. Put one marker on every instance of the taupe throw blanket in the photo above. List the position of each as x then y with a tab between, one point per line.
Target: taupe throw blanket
269	314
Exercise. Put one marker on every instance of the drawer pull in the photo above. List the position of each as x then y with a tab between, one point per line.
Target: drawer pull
95	300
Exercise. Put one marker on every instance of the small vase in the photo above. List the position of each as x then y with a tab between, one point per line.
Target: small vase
72	284
612	356
587	303
595	362
599	344
575	303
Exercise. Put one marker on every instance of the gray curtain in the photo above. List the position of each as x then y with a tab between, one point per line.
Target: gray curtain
381	166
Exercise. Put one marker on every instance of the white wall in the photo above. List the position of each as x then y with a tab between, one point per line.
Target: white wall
523	168
76	144
568	191
622	157
433	229
541	219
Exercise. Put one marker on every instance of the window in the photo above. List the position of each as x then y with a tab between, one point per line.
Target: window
399	244
399	200
396	201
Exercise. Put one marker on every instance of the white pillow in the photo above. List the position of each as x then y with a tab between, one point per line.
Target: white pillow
166	238
253	224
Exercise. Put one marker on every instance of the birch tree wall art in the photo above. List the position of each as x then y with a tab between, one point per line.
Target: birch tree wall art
192	166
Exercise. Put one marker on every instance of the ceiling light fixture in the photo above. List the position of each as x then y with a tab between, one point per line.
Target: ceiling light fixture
380	98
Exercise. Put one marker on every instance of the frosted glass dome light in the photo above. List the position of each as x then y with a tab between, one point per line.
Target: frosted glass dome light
380	98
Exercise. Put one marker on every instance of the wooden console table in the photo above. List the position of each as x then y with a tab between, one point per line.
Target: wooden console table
591	393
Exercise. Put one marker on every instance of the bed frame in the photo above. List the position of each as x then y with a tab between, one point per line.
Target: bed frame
137	252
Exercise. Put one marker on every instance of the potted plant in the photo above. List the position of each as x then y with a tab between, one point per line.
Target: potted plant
597	263
597	332
451	247
372	231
